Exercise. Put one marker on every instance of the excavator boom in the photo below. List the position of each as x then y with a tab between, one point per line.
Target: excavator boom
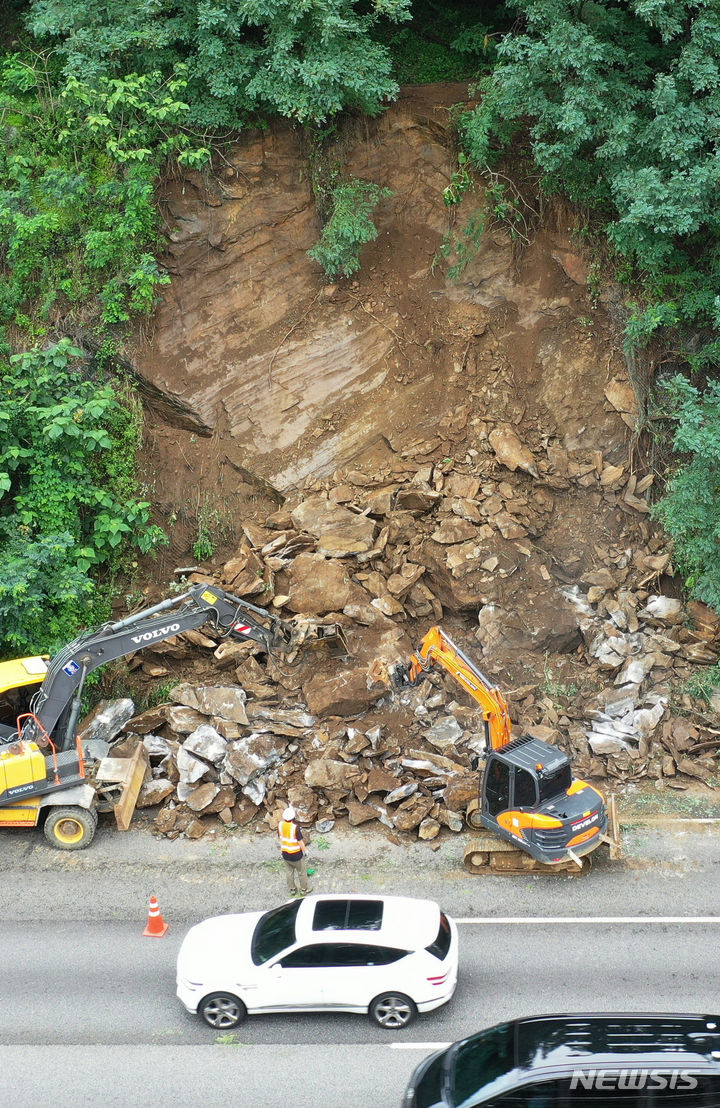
32	778
438	648
56	705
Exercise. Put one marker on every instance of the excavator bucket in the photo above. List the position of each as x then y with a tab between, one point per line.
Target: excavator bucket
399	675
333	635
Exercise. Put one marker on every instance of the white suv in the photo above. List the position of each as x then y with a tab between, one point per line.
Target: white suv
389	956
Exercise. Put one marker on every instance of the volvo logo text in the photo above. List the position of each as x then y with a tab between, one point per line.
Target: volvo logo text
160	633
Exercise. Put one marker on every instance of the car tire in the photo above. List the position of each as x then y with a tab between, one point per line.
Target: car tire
393	1011
221	1011
71	828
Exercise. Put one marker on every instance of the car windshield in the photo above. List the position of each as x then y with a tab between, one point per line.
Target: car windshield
274	932
480	1062
555	783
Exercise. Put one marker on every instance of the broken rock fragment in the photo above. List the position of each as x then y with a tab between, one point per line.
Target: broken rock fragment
326	773
227	702
249	756
511	452
107	720
321	586
206	743
412	813
340	532
200	798
360	813
402	792
154	792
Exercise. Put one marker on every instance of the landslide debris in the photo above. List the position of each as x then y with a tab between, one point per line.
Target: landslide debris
586	646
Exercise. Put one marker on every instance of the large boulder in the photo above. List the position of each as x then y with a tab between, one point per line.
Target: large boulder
327	773
340	533
226	702
345	693
319	586
248	758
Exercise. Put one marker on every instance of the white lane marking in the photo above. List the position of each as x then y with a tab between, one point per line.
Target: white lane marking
419	1046
540	920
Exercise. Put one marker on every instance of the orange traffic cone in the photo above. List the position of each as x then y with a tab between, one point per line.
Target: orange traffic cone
156	926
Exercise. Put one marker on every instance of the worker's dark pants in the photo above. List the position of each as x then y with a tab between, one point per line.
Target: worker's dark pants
296	873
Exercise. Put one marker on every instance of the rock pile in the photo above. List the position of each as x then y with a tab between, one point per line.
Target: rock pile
387	551
214	752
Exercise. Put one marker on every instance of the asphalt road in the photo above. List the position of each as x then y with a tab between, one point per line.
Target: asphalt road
90	1014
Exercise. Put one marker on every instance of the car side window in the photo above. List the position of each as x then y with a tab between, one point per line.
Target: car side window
636	1088
341	954
363	954
307	957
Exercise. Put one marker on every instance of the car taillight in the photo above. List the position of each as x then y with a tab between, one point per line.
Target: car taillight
438	980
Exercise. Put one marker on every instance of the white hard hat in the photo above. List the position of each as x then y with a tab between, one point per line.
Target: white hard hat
289	813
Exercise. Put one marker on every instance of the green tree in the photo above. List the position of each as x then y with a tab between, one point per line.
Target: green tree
623	102
690	510
78	165
303	59
349	226
68	501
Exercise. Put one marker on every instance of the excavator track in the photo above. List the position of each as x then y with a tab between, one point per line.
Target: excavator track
488	855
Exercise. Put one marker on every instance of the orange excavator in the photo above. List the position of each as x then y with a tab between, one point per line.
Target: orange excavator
527	795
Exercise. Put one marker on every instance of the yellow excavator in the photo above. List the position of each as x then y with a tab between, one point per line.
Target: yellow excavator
42	771
527	795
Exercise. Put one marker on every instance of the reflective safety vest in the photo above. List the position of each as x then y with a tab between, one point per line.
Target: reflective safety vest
288	838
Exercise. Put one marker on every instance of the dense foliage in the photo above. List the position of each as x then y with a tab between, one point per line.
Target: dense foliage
303	59
622	101
68	501
691	509
78	164
444	41
349	227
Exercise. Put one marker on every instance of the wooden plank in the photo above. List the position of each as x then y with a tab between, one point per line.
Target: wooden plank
614	829
136	775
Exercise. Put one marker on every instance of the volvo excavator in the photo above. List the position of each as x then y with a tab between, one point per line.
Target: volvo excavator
527	795
42	771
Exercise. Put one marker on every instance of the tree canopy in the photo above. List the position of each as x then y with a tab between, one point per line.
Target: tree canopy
302	59
623	103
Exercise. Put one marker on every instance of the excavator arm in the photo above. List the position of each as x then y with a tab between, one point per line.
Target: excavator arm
437	648
56	705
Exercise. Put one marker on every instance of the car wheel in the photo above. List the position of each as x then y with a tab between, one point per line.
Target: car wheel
392	1011
71	828
222	1011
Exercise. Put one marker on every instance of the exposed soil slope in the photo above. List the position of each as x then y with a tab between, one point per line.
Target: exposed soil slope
282	379
482	426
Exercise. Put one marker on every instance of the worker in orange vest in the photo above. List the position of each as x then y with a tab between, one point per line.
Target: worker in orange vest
292	846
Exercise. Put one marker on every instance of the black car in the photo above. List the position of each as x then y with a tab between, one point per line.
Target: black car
602	1060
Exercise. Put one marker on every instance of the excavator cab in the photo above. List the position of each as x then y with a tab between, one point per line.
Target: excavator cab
529	797
19	680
